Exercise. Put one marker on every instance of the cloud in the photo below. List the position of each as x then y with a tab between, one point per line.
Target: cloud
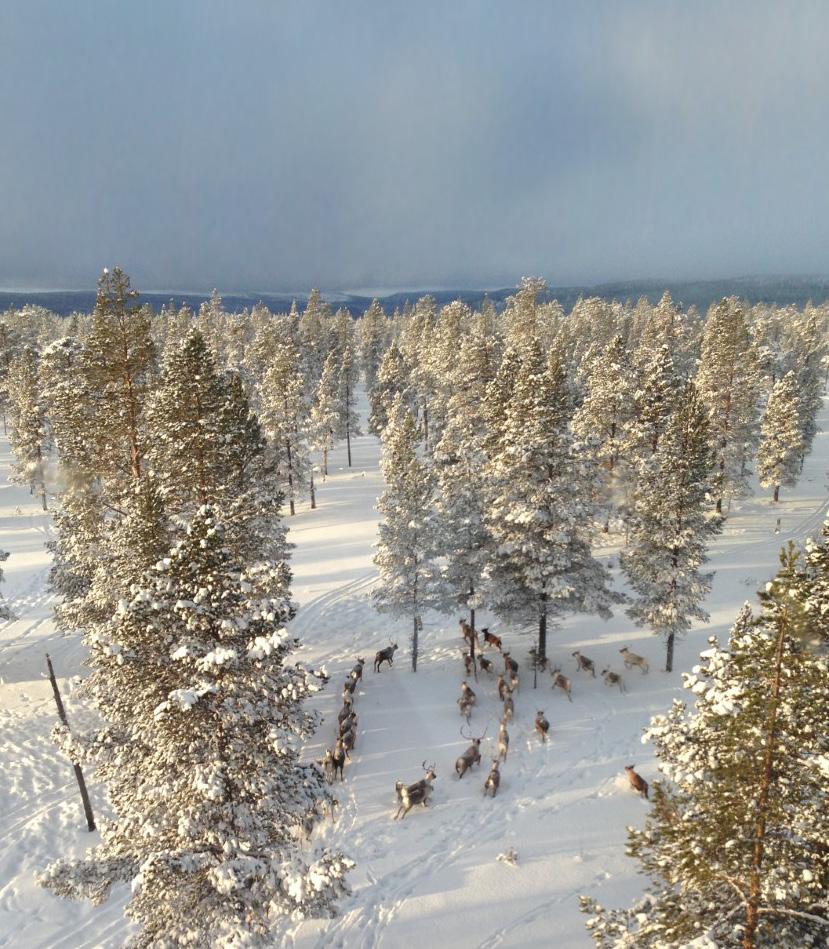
279	146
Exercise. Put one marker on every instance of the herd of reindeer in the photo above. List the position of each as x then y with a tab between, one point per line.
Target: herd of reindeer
507	683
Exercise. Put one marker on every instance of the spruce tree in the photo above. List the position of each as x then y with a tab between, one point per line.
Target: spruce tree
670	531
539	513
199	755
407	547
781	441
735	843
728	381
5	610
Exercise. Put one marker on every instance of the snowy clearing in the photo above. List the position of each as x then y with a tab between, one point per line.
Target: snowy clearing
563	807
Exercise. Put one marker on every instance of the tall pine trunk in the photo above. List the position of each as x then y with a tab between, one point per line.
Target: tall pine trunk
414	644
669	658
542	628
290	477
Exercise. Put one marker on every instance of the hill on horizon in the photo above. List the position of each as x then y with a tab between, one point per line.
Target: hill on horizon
779	290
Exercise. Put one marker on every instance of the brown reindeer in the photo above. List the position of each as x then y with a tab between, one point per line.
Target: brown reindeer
613	678
468	633
542	726
486	664
493	779
490	639
503	740
637	782
418	793
384	655
631	659
583	664
560	681
471	756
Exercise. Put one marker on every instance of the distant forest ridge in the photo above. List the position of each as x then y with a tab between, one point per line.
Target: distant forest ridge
698	293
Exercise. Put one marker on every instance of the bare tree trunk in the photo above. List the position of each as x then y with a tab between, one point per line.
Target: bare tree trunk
414	644
776	493
324	463
313	494
472	644
348	441
290	478
542	628
669	659
87	806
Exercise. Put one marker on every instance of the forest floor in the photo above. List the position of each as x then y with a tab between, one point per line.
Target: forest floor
563	806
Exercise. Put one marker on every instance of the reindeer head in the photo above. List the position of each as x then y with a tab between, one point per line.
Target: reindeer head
430	770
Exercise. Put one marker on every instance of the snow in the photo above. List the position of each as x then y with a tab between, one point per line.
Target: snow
440	874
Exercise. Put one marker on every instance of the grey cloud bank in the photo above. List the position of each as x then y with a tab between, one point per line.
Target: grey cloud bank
267	146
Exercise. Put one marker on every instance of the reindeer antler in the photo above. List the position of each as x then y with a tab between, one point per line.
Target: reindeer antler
467	737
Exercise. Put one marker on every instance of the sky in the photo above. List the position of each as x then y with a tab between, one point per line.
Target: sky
265	145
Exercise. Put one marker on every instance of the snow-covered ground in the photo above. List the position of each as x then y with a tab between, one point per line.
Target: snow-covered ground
434	876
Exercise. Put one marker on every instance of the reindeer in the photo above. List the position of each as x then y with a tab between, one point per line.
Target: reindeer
542	726
490	639
345	712
468	633
471	756
349	686
357	671
348	699
348	724
467	693
493	779
503	688
583	664
637	782
631	660
613	678
509	707
503	740
338	757
510	665
467	663
465	706
486	664
349	740
418	793
514	682
560	681
327	765
385	655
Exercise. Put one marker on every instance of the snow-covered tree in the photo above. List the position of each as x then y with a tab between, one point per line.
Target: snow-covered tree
601	420
392	378
373	332
460	464
9	347
728	381
735	843
538	514
781	437
349	420
199	755
284	414
670	531
654	399
208	448
29	436
407	547
325	412
313	333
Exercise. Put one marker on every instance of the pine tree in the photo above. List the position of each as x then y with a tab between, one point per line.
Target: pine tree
600	423
313	331
29	436
285	419
208	448
392	378
199	756
669	528
9	348
460	463
538	513
407	546
325	412
781	442
728	381
654	399
736	840
372	342
349	420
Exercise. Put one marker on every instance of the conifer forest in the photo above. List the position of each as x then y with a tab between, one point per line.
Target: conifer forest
507	621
